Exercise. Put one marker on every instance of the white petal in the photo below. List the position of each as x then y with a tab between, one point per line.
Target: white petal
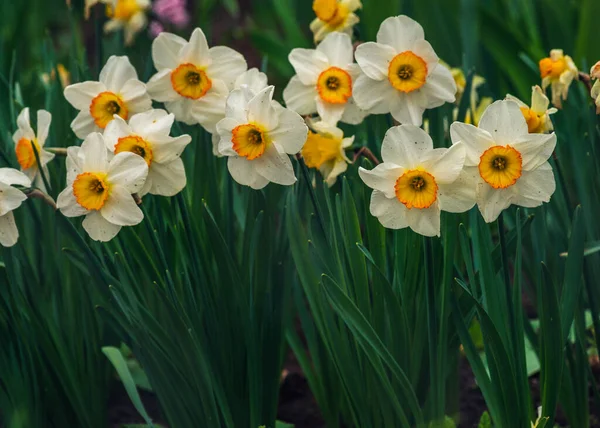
425	221
227	65
400	32
255	80
535	149
155	122
261	110
160	87
423	49
516	100
165	51
308	63
9	234
128	170
374	59
136	24
167	149
504	121
136	97
74	164
43	126
10	176
67	204
167	179
80	95
117	71
291	132
372	96
237	104
330	112
537	185
244	172
275	166
337	47
46	157
445	164
352	113
491	202
404	145
116	128
390	212
383	178
10	198
83	124
339	167
300	97
94	153
209	109
196	50
182	109
23	122
439	87
120	208
476	141
459	196
99	228
409	108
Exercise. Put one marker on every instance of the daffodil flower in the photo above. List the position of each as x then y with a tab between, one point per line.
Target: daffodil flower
416	182
101	190
130	15
10	199
595	93
538	115
192	80
324	80
257	135
505	164
147	135
332	16
325	149
25	139
558	71
118	92
401	73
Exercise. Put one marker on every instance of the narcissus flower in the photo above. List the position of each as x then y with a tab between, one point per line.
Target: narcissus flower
324	149
401	73
192	80
538	115
595	93
324	80
257	135
334	15
505	164
558	71
10	199
101	190
130	15
25	139
118	92
147	135
415	181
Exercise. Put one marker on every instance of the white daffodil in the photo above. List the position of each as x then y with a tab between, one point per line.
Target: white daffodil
332	16
118	92
10	199
257	135
538	115
101	190
505	163
147	135
325	149
192	80
324	79
401	73
415	181
25	139
558	71
130	15
595	92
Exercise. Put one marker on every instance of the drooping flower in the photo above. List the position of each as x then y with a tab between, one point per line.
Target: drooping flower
25	139
538	115
10	199
324	149
129	15
505	164
257	135
558	71
595	93
118	92
401	73
101	190
334	15
416	182
147	135
324	80
192	80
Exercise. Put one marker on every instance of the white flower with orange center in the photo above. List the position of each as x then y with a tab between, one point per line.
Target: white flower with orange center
257	135
595	92
334	15
505	164
10	199
558	71
324	80
401	73
118	92
101	189
192	80
147	135
538	115
416	182
325	150
25	140
129	15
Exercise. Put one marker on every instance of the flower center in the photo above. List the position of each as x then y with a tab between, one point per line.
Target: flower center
534	121
552	68
334	85
500	166
190	81
407	72
124	9
105	106
25	153
249	140
416	189
137	145
91	190
320	149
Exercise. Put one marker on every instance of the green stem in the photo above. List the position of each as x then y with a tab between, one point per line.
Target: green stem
313	197
438	412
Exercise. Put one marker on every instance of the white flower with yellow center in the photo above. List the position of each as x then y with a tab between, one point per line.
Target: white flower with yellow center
505	164
147	135
558	71
130	15
258	134
10	199
595	92
325	149
118	92
192	80
334	15
324	80
101	190
538	115
25	139
401	73
416	182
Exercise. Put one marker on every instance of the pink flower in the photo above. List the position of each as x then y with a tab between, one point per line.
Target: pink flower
172	11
